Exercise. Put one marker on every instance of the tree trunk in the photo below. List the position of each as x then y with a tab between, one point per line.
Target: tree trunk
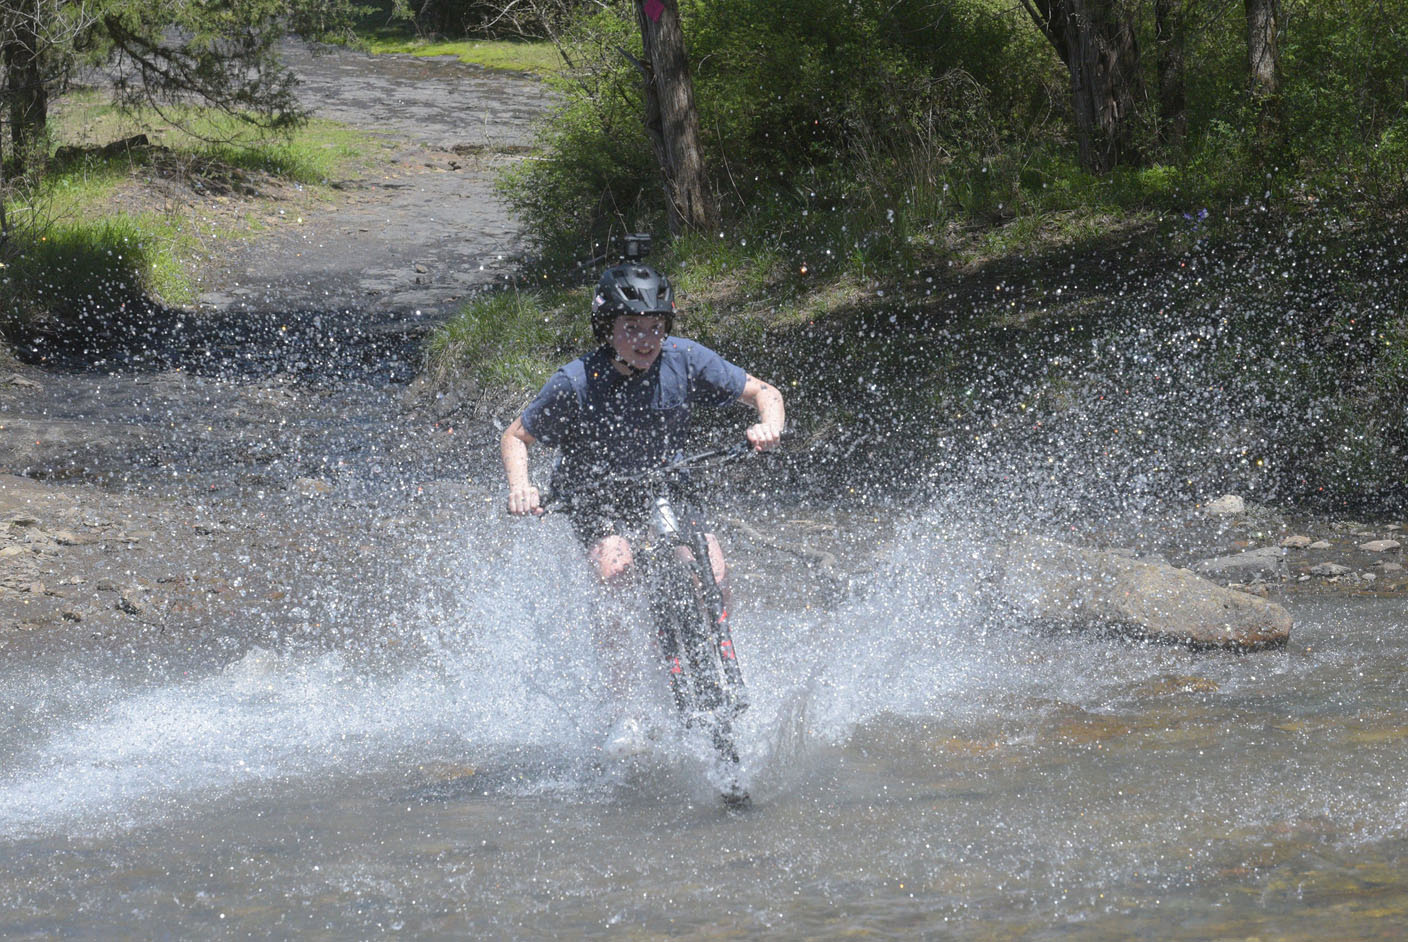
1263	23
1173	95
27	98
671	118
1096	40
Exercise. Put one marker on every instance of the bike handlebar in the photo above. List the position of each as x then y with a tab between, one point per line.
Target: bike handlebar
721	456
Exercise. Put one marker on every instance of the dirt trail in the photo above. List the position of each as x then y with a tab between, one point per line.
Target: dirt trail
426	228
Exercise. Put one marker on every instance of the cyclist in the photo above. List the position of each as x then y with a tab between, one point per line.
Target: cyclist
623	408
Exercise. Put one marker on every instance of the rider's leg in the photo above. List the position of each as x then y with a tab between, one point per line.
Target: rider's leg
611	558
612	562
717	563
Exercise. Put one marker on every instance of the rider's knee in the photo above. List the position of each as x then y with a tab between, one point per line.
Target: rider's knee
612	559
716	559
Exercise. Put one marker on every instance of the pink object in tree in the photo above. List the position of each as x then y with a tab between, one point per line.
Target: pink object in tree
653	9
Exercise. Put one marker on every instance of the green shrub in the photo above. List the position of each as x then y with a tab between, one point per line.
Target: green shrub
510	339
801	102
76	271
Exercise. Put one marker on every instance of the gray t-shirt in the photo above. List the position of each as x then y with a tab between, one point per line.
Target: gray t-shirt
606	423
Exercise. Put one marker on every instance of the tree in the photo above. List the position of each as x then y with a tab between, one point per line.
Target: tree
671	119
160	53
1096	40
1170	39
23	41
1263	55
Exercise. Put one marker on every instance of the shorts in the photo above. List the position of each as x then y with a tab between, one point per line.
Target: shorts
597	514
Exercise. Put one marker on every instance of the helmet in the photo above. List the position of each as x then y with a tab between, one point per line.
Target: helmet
631	289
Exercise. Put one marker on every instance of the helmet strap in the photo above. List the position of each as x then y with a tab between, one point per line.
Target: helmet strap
630	370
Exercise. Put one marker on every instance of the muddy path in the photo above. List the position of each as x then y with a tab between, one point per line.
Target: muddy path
422	230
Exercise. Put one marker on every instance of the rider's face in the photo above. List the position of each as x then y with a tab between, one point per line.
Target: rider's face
636	339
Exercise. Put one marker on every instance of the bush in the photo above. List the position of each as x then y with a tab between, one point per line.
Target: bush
509	339
799	100
74	272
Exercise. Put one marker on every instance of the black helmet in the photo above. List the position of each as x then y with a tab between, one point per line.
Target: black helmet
631	289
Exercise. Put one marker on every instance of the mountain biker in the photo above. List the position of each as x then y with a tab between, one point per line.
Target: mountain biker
620	409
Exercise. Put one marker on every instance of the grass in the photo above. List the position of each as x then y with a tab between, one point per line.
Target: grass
102	228
510	339
518	56
312	154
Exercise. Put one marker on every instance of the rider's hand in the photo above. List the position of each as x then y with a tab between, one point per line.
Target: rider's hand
763	436
524	500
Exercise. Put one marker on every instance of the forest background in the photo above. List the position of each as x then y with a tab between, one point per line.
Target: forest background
990	210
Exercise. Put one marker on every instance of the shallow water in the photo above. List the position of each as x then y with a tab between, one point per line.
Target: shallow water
917	770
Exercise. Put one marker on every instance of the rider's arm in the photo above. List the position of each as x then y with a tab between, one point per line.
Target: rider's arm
513	449
772	414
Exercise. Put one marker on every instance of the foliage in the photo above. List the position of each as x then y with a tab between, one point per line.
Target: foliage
510	339
950	114
532	19
924	85
161	55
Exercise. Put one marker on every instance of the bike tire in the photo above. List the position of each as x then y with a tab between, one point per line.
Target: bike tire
705	680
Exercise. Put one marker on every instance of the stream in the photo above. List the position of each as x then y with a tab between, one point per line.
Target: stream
368	704
415	747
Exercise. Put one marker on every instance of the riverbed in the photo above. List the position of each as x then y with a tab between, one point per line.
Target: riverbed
430	763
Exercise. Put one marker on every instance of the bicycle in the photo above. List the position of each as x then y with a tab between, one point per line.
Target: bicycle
687	610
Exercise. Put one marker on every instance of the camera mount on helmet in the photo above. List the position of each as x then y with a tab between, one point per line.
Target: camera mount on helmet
635	246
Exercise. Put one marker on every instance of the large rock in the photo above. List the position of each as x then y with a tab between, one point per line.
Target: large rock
1266	564
1053	583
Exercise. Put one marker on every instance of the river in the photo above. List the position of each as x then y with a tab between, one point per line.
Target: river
429	764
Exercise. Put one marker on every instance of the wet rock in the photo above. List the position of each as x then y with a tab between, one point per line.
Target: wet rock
1296	542
69	538
312	487
1264	563
1380	546
1329	569
1391	567
1320	545
1227	505
19	382
1048	582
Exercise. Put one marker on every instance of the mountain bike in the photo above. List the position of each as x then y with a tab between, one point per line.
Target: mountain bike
687	610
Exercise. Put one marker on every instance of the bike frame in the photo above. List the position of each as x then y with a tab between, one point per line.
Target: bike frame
686	601
695	617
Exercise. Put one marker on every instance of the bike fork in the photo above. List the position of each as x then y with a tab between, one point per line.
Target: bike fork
721	636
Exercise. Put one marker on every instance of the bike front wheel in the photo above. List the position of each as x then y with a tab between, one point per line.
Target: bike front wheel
706	680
